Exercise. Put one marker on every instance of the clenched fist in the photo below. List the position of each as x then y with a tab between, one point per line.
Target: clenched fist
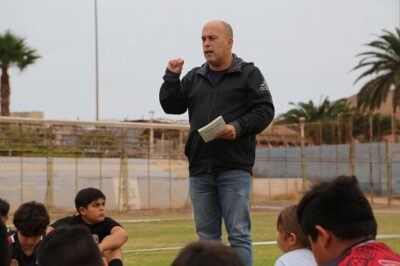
176	65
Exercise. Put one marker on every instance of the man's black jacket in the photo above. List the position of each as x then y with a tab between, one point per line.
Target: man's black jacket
242	97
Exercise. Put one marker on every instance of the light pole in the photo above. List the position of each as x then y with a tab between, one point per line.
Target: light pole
151	132
96	59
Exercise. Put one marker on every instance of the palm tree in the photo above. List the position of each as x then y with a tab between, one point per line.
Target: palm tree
382	63
321	119
314	113
13	52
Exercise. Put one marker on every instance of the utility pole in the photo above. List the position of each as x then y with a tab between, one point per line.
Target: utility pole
97	59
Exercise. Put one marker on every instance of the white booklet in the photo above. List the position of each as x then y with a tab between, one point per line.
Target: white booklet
210	131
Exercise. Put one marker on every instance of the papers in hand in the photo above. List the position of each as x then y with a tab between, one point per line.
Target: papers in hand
210	131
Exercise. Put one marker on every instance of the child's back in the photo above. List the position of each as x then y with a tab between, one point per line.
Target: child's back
292	241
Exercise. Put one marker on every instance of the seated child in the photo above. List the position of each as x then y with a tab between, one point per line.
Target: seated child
337	218
107	233
74	245
292	241
30	221
4	246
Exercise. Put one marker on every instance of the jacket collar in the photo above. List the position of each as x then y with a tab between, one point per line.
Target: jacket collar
235	66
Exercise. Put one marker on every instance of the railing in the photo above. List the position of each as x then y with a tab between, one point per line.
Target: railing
142	165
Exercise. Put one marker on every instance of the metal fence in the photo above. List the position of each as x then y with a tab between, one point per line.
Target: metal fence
142	165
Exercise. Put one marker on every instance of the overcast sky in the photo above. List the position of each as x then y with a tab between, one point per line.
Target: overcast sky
305	49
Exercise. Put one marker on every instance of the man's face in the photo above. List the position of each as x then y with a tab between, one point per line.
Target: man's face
28	243
95	212
217	44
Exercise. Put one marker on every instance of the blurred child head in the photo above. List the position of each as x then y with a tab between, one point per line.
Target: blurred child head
207	253
4	209
290	234
30	220
66	246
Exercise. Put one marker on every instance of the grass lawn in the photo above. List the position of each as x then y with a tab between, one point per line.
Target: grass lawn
177	233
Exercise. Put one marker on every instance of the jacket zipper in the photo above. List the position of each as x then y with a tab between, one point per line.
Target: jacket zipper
209	170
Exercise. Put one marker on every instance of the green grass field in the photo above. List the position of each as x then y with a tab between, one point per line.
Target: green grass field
178	232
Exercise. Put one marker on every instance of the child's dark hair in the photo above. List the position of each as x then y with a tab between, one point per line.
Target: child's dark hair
339	206
86	196
69	245
287	223
4	207
207	253
31	219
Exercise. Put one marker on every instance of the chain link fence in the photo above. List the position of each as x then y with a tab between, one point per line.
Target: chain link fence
142	165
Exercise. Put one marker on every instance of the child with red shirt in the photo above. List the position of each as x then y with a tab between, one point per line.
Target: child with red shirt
338	220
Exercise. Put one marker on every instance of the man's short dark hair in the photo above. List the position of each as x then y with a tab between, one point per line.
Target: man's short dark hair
86	196
4	207
339	206
207	253
31	219
66	246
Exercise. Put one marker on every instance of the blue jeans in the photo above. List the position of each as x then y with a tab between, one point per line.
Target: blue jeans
224	196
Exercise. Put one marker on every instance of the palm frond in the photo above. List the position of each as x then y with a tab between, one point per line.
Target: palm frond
375	69
382	65
15	52
374	92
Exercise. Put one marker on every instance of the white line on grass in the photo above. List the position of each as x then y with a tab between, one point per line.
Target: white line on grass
153	220
387	236
265	243
150	249
266	207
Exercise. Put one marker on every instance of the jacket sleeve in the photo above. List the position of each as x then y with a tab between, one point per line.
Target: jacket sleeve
261	109
172	95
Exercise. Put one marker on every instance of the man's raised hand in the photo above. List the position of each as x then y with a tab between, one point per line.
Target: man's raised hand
175	65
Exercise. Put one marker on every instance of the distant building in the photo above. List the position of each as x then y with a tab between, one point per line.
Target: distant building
386	107
32	114
279	135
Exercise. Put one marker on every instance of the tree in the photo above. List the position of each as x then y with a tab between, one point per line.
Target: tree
314	113
321	119
382	65
13	52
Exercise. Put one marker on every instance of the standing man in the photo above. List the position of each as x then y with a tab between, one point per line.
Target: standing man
220	170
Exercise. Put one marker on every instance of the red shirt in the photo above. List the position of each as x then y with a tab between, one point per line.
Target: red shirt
369	253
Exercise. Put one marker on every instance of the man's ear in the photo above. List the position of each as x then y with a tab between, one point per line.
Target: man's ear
230	43
82	210
325	236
